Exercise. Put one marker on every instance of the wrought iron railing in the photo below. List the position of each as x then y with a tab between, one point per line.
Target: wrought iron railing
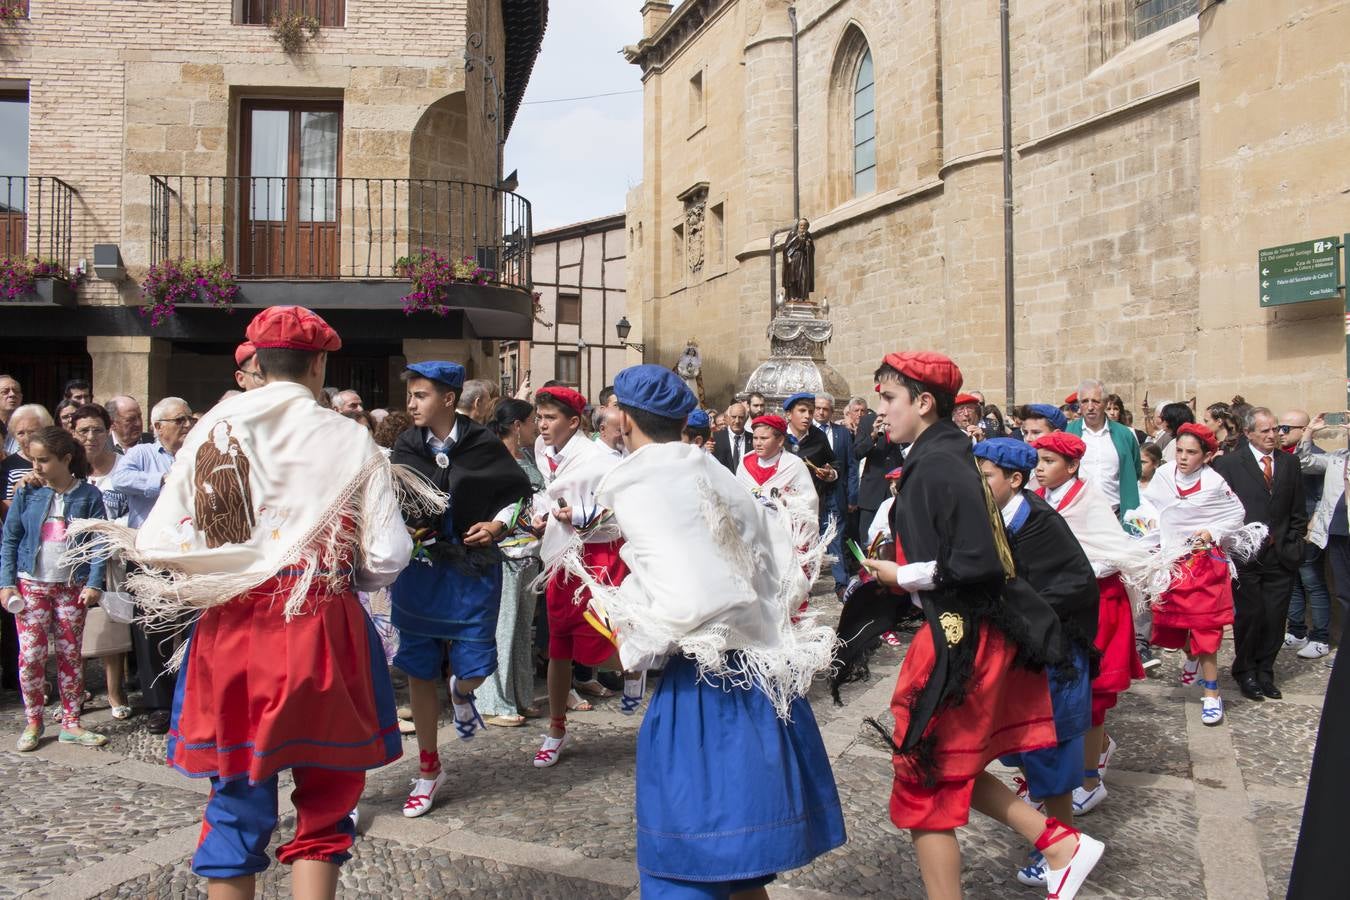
36	216
328	13
333	228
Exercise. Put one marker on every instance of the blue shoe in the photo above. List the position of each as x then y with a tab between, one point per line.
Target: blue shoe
467	719
1033	873
633	689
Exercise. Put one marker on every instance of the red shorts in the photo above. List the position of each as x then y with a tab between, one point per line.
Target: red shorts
1194	640
1007	710
570	636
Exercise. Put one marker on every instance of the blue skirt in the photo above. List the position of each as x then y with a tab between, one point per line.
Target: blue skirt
1057	770
727	791
438	601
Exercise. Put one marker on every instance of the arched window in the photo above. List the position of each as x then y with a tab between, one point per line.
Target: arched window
864	128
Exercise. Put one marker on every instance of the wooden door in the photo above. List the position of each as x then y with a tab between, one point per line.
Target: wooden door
290	192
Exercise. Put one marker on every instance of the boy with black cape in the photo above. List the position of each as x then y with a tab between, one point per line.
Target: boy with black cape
972	686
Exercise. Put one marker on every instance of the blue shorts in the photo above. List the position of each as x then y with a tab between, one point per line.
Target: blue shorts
1052	771
650	886
421	657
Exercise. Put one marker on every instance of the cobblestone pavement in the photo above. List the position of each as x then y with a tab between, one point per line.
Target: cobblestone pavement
1192	811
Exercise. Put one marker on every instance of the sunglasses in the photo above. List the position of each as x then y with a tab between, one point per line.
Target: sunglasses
181	420
1285	429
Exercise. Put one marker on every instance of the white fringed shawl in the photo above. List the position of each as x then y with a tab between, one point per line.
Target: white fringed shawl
1110	549
1213	508
710	571
309	471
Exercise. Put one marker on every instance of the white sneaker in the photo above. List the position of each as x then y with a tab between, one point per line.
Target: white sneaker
550	750
1104	758
1211	710
1293	643
1063	884
633	689
1314	650
423	795
1085	801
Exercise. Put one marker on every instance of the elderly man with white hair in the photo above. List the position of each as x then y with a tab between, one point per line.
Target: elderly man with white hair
348	401
1111	463
139	476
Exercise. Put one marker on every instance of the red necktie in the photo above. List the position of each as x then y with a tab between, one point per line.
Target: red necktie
552	463
1265	470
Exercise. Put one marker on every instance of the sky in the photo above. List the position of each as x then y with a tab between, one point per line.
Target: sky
577	159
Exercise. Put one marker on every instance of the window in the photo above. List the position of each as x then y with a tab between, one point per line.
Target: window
717	236
13	174
568	368
696	105
1155	15
864	128
261	12
569	309
677	257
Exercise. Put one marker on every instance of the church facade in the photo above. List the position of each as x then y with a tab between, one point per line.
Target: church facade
1155	146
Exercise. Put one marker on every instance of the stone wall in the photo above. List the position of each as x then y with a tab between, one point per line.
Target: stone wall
1133	253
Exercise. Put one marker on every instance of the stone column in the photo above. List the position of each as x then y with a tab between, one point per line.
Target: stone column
135	366
971	212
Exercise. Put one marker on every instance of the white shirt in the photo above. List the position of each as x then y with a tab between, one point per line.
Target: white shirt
1101	463
738	452
507	514
1260	455
1013	505
1054	495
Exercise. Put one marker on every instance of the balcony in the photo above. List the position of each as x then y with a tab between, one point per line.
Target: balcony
36	216
334	242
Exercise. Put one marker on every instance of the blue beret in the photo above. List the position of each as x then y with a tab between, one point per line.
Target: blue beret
1007	453
1051	414
447	373
654	389
797	398
698	419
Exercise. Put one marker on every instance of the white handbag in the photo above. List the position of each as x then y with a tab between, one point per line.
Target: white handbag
117	601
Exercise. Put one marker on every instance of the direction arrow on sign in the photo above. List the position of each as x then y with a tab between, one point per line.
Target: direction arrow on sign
1309	270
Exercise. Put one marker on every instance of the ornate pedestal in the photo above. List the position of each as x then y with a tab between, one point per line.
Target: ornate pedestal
797	338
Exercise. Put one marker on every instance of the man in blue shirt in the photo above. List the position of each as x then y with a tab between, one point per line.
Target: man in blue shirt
139	475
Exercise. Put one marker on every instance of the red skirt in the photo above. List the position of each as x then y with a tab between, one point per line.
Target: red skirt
1115	640
259	694
1201	597
1006	710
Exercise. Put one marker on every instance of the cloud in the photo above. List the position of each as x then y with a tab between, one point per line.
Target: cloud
577	159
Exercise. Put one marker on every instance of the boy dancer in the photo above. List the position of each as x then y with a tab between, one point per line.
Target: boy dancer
778	477
961	699
1049	559
733	782
451	592
1125	569
579	532
283	669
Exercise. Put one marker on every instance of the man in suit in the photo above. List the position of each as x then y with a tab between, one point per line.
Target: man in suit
1270	486
731	444
842	501
874	454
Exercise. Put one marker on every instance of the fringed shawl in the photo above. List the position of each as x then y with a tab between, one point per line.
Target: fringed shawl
711	571
266	482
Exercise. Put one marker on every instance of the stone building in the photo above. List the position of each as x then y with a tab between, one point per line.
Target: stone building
1156	146
580	278
185	133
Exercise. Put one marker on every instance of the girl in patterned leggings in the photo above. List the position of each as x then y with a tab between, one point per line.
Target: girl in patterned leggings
46	593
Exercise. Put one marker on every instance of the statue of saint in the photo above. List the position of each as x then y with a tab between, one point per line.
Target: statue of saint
799	263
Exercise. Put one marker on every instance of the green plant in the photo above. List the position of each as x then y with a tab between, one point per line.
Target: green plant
13	11
176	281
293	30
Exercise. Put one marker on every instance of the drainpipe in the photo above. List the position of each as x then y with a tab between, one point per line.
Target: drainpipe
796	144
1009	311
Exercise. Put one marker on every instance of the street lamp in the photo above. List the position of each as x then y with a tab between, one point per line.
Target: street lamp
623	327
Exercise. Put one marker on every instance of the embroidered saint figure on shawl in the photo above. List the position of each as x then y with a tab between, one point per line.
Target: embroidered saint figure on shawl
222	498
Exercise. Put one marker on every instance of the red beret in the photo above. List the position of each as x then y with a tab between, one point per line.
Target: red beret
291	328
566	396
1069	446
777	423
925	367
244	352
1201	434
1072	398
963	399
